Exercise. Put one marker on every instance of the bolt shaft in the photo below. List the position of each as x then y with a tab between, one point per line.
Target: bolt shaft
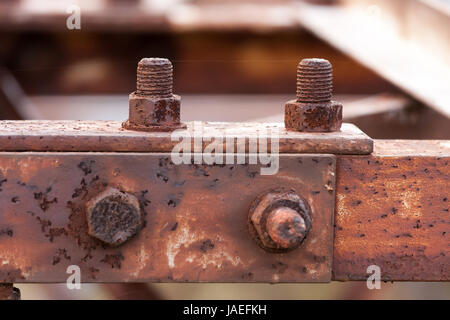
314	81
286	227
154	77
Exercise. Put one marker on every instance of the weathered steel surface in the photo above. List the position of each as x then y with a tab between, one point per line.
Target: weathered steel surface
313	117
392	210
195	219
41	135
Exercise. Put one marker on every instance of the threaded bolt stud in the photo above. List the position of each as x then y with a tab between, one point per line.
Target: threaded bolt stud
314	81
154	77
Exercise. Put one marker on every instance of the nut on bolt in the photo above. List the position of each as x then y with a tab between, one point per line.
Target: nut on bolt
279	220
113	216
313	110
153	107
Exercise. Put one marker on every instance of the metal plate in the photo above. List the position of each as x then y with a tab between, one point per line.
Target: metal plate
109	136
195	218
392	211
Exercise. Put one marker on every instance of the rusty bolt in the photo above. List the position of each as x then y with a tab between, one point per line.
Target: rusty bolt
313	110
153	107
113	216
279	220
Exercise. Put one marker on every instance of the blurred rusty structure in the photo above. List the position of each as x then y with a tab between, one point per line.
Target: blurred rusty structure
257	44
373	202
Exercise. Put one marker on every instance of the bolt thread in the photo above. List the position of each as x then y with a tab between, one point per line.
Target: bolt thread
154	77
314	81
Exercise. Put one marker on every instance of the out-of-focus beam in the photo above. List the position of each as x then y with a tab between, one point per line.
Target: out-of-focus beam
14	104
375	104
132	291
365	35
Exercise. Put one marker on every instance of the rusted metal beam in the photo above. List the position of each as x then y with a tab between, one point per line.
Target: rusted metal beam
391	210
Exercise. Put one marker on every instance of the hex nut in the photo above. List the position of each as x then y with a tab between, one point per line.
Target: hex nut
152	113
279	220
113	216
313	117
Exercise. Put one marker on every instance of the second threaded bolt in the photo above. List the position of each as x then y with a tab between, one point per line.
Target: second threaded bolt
313	110
153	107
154	77
314	81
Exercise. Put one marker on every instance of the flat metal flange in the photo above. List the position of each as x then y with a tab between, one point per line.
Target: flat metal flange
109	136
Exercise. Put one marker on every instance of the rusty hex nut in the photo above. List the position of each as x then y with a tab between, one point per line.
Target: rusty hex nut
113	216
313	117
153	113
279	220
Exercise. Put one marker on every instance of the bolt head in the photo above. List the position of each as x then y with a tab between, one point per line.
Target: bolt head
279	220
286	227
113	216
313	117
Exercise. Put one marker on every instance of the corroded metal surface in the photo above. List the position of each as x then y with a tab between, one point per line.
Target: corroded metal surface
313	117
153	113
106	136
392	210
195	219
